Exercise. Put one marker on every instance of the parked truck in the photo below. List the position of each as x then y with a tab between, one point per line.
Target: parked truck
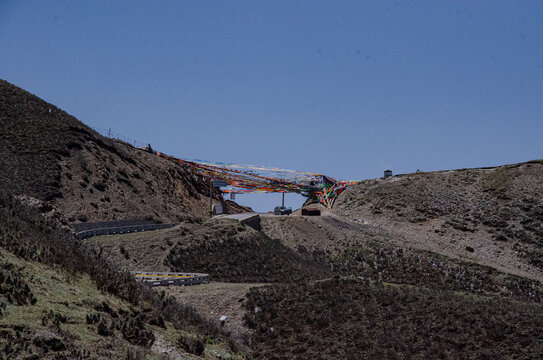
281	210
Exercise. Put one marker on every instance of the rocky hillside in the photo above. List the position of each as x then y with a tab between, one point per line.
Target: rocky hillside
48	154
493	216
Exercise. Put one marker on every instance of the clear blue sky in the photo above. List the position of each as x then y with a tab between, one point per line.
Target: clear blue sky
343	88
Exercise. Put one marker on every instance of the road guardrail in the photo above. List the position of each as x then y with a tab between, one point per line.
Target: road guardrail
170	278
86	230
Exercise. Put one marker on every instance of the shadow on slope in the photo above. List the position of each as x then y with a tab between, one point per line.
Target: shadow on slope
231	252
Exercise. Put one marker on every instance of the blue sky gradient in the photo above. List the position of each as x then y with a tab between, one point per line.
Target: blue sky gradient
338	87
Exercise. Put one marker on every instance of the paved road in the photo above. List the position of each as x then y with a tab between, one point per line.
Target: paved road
239	217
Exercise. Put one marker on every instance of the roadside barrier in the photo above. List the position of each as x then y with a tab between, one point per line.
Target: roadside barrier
86	230
170	278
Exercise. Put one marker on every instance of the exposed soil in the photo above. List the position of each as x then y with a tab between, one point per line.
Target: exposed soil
328	233
223	248
142	251
372	252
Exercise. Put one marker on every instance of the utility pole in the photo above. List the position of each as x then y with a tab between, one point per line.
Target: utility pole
211	198
283	202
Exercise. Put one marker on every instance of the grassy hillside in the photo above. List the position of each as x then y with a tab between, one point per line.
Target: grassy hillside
61	299
65	316
492	216
323	290
50	155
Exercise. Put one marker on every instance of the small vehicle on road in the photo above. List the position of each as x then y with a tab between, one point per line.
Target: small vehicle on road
281	210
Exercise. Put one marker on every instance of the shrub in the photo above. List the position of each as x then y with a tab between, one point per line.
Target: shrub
193	344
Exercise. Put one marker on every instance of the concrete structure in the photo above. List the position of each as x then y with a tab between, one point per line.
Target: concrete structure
388	173
219	208
249	219
311	211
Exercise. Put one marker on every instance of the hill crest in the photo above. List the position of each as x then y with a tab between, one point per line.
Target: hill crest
52	156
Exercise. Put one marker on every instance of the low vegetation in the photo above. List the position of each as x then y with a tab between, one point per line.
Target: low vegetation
430	270
228	251
357	319
488	206
58	296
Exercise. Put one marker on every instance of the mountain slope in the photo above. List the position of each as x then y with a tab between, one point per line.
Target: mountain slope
444	264
60	299
493	216
48	154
